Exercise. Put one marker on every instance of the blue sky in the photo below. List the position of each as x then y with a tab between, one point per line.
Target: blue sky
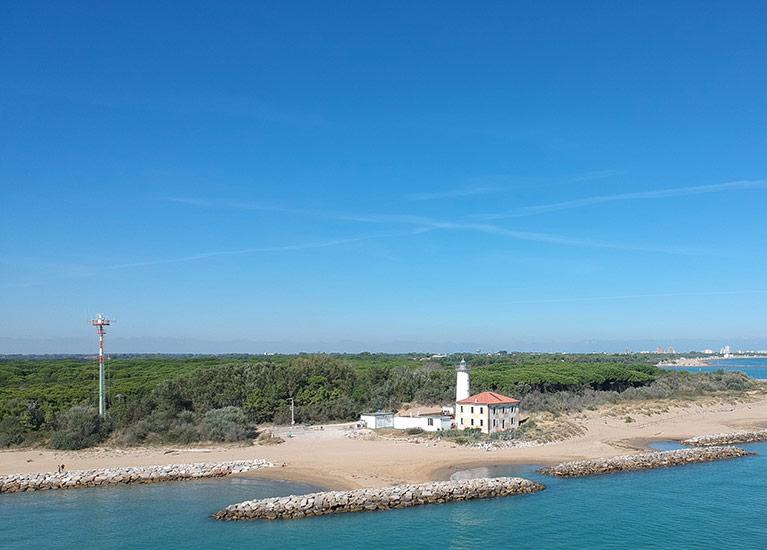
383	176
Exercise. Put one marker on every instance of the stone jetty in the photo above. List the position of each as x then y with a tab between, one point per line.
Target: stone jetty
74	479
643	461
726	438
386	498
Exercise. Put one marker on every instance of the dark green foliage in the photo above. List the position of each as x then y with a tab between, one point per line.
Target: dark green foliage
413	431
79	427
563	375
226	424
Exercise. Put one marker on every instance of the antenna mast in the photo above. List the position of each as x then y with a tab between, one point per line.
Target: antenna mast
100	322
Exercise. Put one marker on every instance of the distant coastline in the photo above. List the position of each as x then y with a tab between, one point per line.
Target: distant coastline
703	361
685	362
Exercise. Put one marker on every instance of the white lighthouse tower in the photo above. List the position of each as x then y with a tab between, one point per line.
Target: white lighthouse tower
461	381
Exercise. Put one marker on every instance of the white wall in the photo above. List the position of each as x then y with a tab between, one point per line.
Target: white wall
476	412
447	422
405	422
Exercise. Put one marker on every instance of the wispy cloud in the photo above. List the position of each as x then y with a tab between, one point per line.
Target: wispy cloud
451	193
85	271
596	175
193	104
571	241
20	284
231	204
639	296
255	250
430	224
422	224
731	186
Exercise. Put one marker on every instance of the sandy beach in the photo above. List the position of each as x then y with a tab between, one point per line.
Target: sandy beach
329	458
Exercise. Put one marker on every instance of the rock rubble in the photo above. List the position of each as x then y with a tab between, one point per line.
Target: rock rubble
386	498
726	438
643	461
16	483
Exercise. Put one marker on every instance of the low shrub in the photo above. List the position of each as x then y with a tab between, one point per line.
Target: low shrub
226	424
509	435
11	431
469	434
79	427
413	431
672	385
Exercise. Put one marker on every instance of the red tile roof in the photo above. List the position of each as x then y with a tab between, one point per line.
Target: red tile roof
489	398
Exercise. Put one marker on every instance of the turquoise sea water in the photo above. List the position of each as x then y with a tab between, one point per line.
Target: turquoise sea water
721	504
754	367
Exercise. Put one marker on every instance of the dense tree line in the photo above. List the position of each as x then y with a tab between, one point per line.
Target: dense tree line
223	398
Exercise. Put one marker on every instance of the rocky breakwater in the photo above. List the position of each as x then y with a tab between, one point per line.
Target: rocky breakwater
386	498
74	479
726	438
643	461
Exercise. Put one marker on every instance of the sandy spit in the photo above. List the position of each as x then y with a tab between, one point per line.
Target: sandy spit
327	458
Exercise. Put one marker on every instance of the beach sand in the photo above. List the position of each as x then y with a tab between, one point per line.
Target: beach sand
328	458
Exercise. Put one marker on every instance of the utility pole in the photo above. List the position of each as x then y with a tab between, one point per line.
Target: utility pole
292	412
100	322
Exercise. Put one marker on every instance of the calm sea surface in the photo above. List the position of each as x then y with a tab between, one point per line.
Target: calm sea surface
714	505
755	368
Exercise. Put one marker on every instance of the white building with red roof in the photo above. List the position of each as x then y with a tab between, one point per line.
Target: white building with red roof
488	411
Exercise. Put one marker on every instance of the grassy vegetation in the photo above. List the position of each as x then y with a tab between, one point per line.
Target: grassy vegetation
190	398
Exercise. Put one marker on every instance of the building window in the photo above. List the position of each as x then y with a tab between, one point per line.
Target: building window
481	422
430	422
461	408
494	422
480	410
461	421
472	421
503	423
472	410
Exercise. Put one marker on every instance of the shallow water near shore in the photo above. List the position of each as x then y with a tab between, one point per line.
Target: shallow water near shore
695	506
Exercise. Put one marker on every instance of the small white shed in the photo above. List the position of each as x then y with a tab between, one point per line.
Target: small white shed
378	419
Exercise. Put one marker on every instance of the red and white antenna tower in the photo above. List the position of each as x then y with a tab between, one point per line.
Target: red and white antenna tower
100	322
